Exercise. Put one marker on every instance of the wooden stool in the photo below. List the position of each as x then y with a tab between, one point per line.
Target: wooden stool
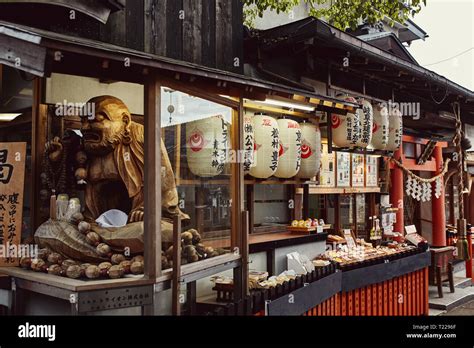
441	268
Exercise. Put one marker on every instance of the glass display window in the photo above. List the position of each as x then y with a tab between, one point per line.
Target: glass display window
197	159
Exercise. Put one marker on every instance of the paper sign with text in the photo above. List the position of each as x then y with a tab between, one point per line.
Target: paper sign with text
12	179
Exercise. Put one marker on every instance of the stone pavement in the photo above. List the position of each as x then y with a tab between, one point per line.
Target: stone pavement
461	302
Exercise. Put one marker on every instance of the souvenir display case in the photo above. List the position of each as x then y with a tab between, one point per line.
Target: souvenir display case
148	182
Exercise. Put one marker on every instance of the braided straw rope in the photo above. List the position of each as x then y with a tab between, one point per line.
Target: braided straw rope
430	180
460	165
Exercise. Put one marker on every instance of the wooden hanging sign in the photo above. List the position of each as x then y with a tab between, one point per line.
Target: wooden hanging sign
12	180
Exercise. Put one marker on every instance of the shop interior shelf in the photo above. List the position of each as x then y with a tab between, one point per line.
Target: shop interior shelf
339	190
248	181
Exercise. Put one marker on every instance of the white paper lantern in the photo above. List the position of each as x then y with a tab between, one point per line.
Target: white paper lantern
346	128
207	146
395	130
380	127
310	150
266	144
289	162
366	116
249	143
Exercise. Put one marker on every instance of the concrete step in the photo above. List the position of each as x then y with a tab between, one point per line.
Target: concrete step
462	282
435	312
449	300
459	266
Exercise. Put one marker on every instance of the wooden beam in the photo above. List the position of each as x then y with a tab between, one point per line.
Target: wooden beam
237	196
152	183
305	201
22	55
422	141
251	206
278	110
39	137
410	163
198	91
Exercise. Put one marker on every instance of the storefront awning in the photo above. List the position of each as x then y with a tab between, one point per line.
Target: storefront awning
39	51
330	44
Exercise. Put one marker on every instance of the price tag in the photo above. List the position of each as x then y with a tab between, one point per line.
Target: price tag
319	229
348	237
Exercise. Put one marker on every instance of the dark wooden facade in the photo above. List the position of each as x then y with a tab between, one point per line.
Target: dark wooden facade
205	32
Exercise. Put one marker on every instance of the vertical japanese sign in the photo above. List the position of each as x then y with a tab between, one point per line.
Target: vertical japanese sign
12	177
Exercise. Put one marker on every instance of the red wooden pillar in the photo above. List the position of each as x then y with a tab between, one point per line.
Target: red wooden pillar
469	262
396	191
437	204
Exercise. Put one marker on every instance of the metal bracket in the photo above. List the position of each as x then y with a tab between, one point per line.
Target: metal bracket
267	303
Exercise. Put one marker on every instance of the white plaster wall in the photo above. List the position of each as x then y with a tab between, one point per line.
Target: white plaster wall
272	19
78	89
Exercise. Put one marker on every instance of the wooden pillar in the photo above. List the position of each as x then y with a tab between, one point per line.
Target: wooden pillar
305	201
238	218
470	211
438	211
396	191
152	184
39	137
176	281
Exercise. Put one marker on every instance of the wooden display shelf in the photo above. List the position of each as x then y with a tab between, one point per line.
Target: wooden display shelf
276	181
78	285
202	181
197	270
339	190
307	230
74	285
301	230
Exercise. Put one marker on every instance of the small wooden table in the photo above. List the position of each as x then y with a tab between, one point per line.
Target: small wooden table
441	268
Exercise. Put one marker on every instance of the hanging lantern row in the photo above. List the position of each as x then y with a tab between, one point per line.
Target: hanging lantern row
376	126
